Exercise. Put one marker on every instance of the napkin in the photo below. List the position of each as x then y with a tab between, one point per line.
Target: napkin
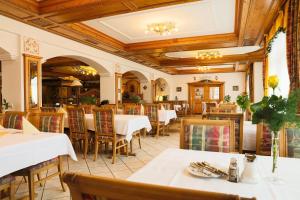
142	110
62	110
28	128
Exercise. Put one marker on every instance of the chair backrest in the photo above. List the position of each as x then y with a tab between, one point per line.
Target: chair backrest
151	110
238	120
88	109
87	187
207	135
48	109
104	122
290	142
13	119
132	109
223	109
165	106
110	106
51	122
263	140
76	119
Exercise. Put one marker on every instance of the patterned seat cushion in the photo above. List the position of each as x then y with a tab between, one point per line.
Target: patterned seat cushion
208	138
50	124
13	120
76	120
151	112
132	110
6	179
266	141
104	122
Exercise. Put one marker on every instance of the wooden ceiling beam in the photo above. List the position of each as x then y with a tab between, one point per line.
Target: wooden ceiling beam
71	11
209	71
253	56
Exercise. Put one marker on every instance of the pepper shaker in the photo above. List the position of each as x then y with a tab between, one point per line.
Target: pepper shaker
233	171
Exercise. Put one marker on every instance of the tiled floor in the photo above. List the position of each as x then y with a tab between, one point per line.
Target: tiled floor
123	167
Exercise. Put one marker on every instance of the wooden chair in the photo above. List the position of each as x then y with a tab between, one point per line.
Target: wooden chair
223	109
48	109
88	109
151	110
7	187
105	132
165	106
77	127
87	187
132	109
110	106
53	123
207	135
238	120
13	119
290	141
183	110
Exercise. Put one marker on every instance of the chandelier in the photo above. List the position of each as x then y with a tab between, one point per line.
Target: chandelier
203	68
208	55
85	70
165	28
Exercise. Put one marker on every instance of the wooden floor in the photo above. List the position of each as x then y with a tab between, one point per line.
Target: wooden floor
122	169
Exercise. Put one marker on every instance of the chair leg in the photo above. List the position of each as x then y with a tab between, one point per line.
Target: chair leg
39	178
131	146
140	141
86	145
31	185
157	131
96	149
60	170
114	151
12	191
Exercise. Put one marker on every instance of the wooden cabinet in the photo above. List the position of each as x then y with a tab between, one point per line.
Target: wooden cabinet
204	91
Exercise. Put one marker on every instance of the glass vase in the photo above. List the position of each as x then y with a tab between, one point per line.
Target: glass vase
275	151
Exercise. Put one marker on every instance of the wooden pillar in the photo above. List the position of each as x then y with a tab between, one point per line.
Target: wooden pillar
118	88
153	91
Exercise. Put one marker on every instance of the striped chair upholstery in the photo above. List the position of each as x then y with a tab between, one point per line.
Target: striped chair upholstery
207	135
88	109
76	120
151	111
51	122
13	119
238	119
291	142
104	122
263	140
132	109
48	109
110	106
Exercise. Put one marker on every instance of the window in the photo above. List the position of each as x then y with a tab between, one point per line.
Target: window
278	64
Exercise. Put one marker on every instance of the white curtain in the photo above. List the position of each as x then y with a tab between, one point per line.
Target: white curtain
278	65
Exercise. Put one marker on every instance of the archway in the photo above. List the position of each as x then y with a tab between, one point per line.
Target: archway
70	80
162	90
134	86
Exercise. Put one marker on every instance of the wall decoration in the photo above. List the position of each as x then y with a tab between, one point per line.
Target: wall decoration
235	88
31	46
145	87
178	89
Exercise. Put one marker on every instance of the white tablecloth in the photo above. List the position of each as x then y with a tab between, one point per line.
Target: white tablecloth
124	124
166	115
18	151
169	169
249	140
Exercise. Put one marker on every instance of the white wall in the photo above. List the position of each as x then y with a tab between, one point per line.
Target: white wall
258	81
52	45
230	79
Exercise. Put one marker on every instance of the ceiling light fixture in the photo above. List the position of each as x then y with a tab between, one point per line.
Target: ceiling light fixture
165	28
208	55
85	70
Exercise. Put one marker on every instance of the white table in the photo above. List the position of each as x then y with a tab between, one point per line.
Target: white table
166	115
249	139
169	169
18	150
124	124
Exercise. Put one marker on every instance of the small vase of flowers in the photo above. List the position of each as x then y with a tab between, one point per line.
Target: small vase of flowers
275	111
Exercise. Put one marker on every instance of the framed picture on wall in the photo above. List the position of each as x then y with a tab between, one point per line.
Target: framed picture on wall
235	88
178	89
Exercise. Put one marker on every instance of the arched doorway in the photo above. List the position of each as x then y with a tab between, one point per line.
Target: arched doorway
161	90
134	86
70	80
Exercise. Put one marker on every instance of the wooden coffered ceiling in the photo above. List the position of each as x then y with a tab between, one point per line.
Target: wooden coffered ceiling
65	17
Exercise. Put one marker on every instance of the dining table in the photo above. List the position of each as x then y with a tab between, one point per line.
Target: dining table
170	169
19	150
166	115
125	125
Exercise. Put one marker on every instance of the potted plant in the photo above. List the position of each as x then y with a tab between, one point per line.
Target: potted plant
6	105
135	99
275	111
89	100
243	101
227	98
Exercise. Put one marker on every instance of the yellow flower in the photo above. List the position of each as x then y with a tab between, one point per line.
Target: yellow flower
273	81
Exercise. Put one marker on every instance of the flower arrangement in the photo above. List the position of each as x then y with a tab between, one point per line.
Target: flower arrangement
243	101
275	111
227	98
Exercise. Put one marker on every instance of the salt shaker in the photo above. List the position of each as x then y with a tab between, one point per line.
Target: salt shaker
250	173
233	172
